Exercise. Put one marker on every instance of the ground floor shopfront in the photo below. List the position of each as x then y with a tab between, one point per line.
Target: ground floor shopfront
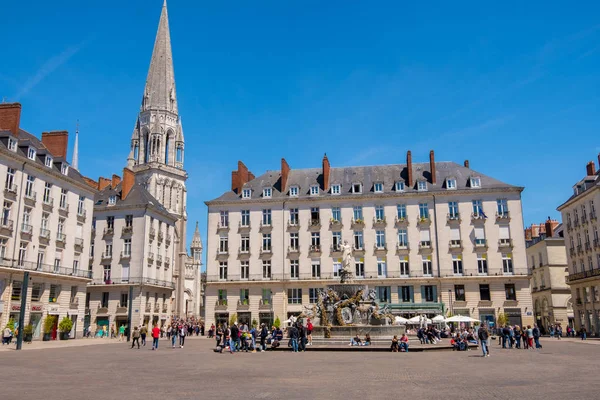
586	306
47	295
483	298
552	307
108	306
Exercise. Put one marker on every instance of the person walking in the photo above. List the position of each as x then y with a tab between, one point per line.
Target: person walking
174	333
536	336
219	335
583	333
309	330
182	334
143	333
136	337
483	340
155	336
264	332
529	337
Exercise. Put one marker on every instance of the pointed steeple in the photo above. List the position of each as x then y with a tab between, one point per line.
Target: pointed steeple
197	240
159	93
75	160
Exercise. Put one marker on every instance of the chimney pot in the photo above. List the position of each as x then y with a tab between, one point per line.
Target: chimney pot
432	167
116	179
410	182
591	168
326	173
240	177
10	117
466	164
103	183
285	172
128	182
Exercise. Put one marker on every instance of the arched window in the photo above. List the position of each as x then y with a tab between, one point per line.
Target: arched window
179	155
146	147
167	145
136	151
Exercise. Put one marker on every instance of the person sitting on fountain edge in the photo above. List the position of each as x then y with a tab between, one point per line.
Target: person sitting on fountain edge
395	344
355	341
367	341
404	343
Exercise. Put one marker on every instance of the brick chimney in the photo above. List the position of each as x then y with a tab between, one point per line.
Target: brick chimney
409	182
116	179
56	142
326	173
466	164
103	183
240	177
128	182
528	234
10	117
432	166
549	228
91	183
285	173
591	168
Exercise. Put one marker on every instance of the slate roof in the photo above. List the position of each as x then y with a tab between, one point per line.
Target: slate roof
138	196
367	176
25	140
588	183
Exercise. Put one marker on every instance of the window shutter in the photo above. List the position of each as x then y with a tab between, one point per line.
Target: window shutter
434	293
412	293
125	272
479	233
422	294
424	235
454	234
504	232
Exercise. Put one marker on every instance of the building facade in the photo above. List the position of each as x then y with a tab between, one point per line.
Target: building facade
547	260
45	227
140	261
582	238
432	238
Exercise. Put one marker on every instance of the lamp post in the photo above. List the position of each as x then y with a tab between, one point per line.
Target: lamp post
450	301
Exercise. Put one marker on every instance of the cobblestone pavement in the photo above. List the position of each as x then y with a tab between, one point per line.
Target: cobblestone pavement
195	372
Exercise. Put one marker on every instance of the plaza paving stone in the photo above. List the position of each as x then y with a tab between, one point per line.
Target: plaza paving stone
196	372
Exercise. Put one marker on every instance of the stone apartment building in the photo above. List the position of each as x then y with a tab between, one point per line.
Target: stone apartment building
45	226
432	238
547	260
582	238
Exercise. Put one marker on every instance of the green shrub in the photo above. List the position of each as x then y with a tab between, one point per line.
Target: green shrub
28	330
49	323
232	319
65	325
277	323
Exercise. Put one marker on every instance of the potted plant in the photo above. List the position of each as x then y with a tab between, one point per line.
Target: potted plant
64	327
48	326
254	323
233	319
28	333
277	323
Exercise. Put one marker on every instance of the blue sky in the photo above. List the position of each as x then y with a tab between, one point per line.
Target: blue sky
513	88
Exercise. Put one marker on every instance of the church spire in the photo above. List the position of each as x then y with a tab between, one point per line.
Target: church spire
197	240
159	93
75	160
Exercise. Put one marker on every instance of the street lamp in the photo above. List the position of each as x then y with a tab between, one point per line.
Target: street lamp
450	301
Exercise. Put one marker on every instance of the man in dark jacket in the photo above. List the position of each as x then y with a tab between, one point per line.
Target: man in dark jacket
234	338
536	336
294	337
264	332
483	340
302	337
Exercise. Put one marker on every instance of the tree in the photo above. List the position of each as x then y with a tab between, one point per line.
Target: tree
254	323
277	323
232	319
502	320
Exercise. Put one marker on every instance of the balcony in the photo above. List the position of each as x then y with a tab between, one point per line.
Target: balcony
572	251
315	224
63	209
74	304
81	215
244	251
293	251
150	257
266	251
503	216
477	217
243	305
160	237
244	228
569	226
148	308
222	226
593	216
583	275
223	250
108	231
165	309
315	250
127	230
221	305
579	249
265	226
265	304
379	222
152	233
26	231
588	247
505	244
576	223
584	219
401	222
30	198
6	226
358	250
159	259
48	203
380	249
596	243
402	248
480	244
47	269
168	241
44	236
125	255
424	221
425	245
455	244
167	261
10	191
335	224
78	243
357	224
106	257
293	225
156	308
453	218
335	250
61	239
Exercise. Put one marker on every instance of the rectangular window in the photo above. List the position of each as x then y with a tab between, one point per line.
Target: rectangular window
450	183
502	207
315	239
475	182
12	144
16	290
244	269
378	187
112	200
47	193
29	187
314	190
315	217
224	244
22	254
406	294
223	270
507	264
427	270
336	214
399	186
293	216
401	211
222	296
266	264
421	185
404	269
266	217
244	296
294	269
267	193
509	290
316	268
81	208
31	153
484	293
381	268
54	293
40	259
127	247
360	268
63	199
245	217
358	214
459	293
246	193
108	249
384	294
245	244
266	296
336	189
224	219
455	237
294	191
477	208
482	267
425	237
337	267
356	188
336	240
457	264
379	214
452	209
294	296
294	241
313	295
423	211
6	214
106	274
266	242
380	239
110	222
358	240
402	238
479	232
428	293
36	291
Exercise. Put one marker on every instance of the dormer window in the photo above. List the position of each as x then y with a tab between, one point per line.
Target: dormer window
475	182
267	193
314	190
12	144
378	187
399	186
246	193
64	169
357	188
112	200
294	191
48	161
450	183
31	153
421	185
336	189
